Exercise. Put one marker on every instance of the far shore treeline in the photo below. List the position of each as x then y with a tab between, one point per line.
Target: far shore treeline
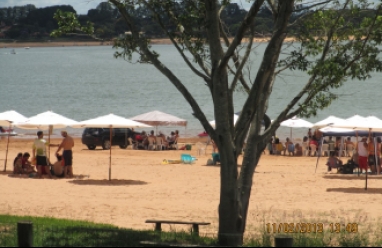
28	23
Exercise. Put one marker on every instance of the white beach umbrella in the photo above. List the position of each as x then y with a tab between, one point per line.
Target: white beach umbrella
10	118
110	121
296	123
46	121
157	118
235	118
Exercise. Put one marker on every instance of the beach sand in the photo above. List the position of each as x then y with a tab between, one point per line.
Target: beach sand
285	189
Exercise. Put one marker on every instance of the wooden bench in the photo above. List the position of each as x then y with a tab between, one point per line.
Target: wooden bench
195	225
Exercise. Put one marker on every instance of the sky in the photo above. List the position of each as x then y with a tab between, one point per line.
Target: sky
81	6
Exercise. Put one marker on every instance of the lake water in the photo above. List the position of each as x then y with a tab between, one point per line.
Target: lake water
87	82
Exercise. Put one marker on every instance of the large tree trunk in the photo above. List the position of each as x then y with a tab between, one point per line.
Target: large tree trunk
229	208
235	192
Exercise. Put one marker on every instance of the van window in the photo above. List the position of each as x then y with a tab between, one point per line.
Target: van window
91	131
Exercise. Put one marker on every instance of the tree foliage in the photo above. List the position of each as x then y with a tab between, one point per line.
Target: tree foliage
334	41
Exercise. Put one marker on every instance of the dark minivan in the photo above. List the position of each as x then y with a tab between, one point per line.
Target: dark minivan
93	137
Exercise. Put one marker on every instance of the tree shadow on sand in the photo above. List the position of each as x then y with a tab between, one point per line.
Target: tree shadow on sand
352	177
353	190
113	182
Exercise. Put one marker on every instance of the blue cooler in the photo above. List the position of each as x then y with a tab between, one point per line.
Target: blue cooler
216	158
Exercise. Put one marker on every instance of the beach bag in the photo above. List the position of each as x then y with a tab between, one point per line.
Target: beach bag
346	169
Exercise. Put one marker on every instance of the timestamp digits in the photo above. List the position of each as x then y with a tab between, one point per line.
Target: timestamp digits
295	227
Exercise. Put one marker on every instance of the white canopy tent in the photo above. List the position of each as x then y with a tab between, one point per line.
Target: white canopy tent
110	121
329	121
10	118
296	123
360	123
157	118
46	121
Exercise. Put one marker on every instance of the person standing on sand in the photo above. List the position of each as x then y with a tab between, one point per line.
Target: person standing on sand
362	154
67	145
39	152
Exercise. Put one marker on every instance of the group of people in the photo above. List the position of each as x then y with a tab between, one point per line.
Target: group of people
63	167
145	141
22	165
276	147
365	153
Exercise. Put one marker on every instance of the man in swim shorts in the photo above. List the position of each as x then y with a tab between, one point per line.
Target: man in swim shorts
39	152
67	145
362	154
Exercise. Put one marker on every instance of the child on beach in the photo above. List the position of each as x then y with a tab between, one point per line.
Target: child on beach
27	165
17	164
289	146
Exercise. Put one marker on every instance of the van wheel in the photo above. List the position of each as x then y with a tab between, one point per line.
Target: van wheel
106	144
123	146
91	147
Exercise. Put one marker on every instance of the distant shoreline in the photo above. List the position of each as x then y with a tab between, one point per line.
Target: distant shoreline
21	44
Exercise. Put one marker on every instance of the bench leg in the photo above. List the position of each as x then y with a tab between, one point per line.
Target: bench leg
195	229
158	227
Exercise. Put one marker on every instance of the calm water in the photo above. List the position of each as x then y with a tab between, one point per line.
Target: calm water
87	82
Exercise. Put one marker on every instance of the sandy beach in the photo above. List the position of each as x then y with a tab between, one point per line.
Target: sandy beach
285	189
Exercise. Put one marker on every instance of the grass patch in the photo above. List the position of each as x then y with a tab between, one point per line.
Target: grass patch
63	233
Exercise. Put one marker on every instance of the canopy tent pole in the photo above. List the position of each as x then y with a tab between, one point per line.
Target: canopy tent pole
126	138
110	154
341	147
49	132
376	157
6	153
357	143
291	134
319	155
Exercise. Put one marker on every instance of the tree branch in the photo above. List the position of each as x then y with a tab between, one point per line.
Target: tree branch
206	78
198	113
248	20
263	83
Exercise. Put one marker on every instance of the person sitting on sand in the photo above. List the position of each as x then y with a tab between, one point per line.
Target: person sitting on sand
289	146
333	161
164	140
298	150
145	140
27	165
171	139
278	146
17	164
58	168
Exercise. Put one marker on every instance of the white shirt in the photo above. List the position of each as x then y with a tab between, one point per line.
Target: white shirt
362	150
